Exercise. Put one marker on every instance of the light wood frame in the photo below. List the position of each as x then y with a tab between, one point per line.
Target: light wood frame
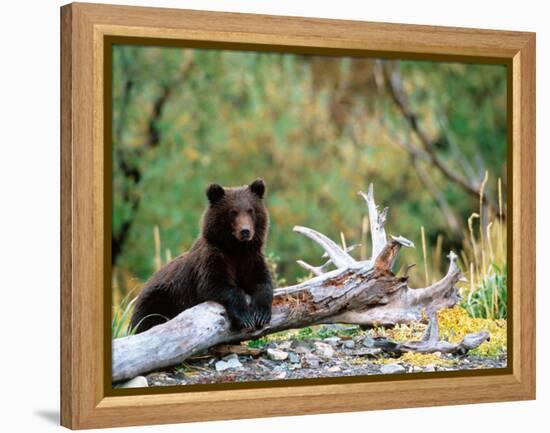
85	402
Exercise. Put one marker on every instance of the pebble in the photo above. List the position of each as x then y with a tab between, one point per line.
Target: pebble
367	352
280	375
334	369
324	349
312	361
230	357
136	382
349	344
293	358
429	368
333	341
368	342
285	345
277	355
392	369
302	350
227	365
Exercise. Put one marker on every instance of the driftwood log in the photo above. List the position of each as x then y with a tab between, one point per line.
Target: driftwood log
356	292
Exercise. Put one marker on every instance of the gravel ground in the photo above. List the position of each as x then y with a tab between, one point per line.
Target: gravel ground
300	359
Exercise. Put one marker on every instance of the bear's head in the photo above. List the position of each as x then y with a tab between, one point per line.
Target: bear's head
236	219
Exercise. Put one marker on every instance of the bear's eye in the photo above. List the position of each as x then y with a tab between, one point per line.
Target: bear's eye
233	212
250	211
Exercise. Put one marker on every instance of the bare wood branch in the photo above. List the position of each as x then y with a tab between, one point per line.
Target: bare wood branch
339	257
377	222
431	343
320	270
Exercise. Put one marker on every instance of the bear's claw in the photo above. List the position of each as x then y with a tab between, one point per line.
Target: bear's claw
262	316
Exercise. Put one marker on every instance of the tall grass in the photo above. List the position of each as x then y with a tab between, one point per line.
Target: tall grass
123	308
121	317
483	259
485	256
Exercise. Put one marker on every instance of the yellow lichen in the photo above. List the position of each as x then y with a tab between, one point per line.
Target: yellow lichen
418	359
455	323
411	332
424	359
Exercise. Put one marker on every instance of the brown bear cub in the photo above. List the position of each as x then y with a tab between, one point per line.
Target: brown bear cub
225	264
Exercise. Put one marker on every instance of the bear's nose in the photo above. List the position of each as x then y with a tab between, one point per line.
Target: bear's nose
245	233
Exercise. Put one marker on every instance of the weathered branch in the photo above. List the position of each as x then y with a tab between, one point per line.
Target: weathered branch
377	222
356	292
431	343
339	257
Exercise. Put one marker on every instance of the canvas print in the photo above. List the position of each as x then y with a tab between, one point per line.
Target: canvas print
281	216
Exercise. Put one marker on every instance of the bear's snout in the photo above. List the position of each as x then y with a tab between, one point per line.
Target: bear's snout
243	227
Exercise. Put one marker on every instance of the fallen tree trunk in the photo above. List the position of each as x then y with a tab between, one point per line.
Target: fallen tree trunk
356	292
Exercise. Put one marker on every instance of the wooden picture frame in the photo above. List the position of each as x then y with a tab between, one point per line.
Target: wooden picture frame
85	214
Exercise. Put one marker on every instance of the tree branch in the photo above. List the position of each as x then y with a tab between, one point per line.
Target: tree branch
393	83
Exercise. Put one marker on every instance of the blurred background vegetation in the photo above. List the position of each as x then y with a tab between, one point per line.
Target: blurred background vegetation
431	136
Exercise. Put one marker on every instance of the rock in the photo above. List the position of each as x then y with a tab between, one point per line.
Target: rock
392	369
293	358
277	355
285	345
312	361
280	375
136	382
230	357
333	341
367	352
368	342
302	350
334	369
416	369
302	343
295	366
349	344
429	368
227	365
324	349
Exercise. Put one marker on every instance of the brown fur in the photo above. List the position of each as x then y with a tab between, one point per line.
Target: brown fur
225	264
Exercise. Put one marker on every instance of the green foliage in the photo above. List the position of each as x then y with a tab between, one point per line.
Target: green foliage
490	298
317	129
305	333
258	343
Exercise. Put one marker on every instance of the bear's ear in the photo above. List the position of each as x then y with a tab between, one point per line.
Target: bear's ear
214	192
257	187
